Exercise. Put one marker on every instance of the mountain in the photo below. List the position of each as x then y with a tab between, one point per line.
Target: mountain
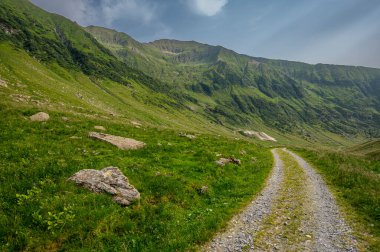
241	90
201	83
82	73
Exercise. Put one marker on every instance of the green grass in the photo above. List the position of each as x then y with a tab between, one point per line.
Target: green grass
356	183
37	158
369	149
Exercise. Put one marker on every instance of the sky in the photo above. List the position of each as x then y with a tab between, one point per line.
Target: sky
343	32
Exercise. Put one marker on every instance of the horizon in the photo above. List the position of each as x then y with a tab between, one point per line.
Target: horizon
316	32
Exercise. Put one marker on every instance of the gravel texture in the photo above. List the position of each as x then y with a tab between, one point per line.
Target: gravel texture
329	232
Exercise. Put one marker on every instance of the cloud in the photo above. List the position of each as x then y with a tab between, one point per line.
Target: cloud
132	9
104	12
207	7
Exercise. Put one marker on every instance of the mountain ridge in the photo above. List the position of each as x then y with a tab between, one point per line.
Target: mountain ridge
211	69
219	85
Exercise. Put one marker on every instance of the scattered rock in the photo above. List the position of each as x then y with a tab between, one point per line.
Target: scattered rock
109	180
243	152
260	135
79	95
20	98
99	128
203	190
40	117
3	83
136	124
224	161
65	119
120	142
187	135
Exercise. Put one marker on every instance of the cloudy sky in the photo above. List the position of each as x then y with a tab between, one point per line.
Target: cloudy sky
314	31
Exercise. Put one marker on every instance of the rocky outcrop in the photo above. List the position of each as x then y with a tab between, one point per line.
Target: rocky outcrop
260	135
120	142
40	117
109	180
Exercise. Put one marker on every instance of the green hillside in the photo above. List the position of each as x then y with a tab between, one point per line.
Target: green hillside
369	149
154	92
237	89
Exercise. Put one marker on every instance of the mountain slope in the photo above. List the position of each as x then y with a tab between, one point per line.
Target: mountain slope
242	90
56	58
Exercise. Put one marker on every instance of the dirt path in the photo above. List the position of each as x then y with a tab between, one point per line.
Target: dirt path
294	212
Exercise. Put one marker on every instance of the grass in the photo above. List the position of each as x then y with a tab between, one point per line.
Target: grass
355	181
41	210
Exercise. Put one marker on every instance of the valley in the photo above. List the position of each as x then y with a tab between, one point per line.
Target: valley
226	152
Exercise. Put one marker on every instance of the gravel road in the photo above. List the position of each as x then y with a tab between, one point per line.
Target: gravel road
329	232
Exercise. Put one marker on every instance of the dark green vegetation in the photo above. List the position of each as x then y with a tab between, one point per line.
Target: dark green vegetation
41	210
98	76
356	183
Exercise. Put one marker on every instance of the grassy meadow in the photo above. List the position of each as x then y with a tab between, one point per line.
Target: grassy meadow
41	210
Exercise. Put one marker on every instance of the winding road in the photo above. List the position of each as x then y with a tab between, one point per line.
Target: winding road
294	212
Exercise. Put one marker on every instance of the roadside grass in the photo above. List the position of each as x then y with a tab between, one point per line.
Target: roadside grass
356	183
41	210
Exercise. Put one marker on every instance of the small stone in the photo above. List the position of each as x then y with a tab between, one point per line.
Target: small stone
97	127
40	117
136	124
3	83
187	135
203	190
224	161
65	119
308	236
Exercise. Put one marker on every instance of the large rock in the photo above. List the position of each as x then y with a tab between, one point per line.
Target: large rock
121	142
40	117
109	180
